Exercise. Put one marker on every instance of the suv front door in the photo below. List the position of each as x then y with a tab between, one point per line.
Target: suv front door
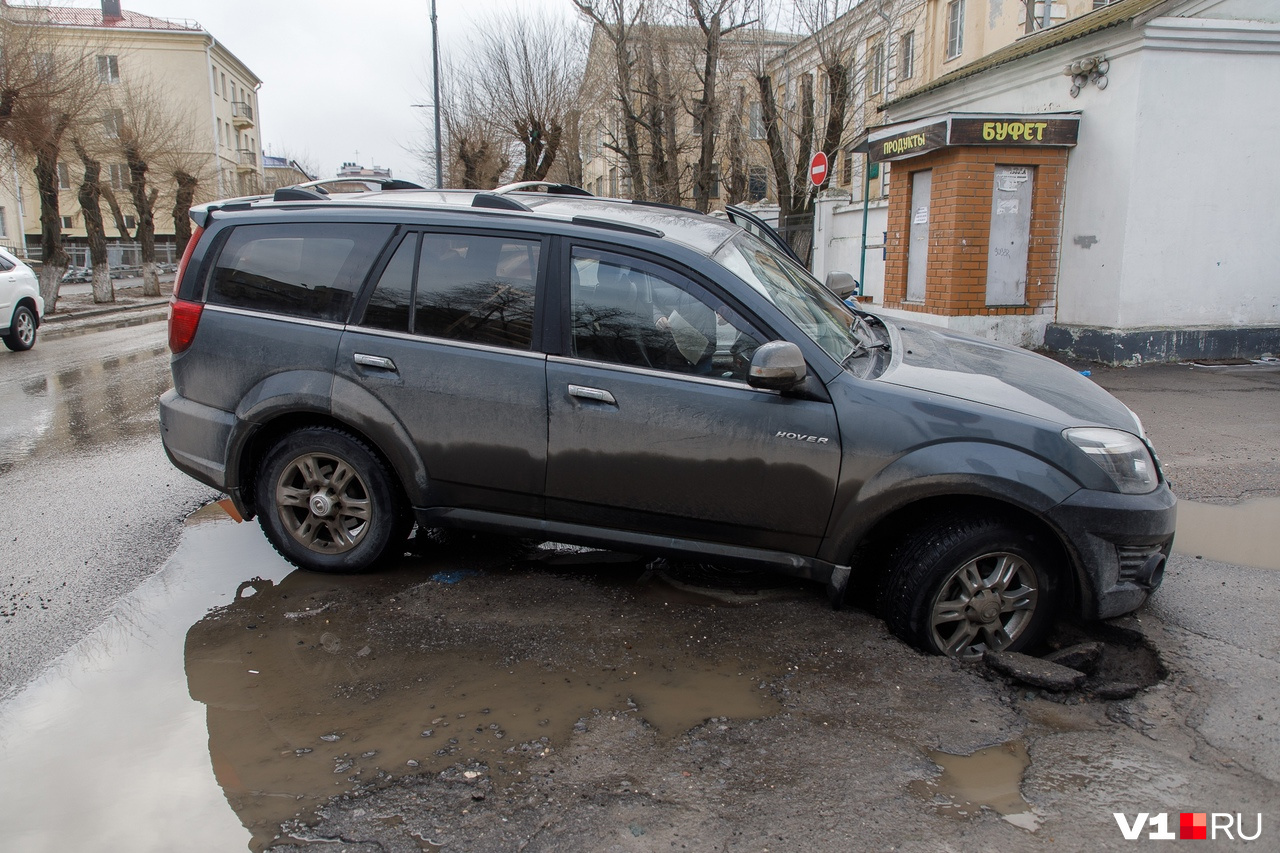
447	342
652	426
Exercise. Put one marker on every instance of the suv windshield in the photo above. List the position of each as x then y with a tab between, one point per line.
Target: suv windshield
816	310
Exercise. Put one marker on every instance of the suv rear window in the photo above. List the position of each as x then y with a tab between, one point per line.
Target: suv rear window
308	270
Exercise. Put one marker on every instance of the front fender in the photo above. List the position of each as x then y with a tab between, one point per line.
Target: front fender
952	468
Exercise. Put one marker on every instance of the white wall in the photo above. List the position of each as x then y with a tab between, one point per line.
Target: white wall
837	243
1168	218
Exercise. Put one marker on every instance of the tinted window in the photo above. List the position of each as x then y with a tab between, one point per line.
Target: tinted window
309	270
478	289
5	266
631	315
389	304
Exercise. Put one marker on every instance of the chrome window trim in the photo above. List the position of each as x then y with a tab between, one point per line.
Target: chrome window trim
662	374
267	315
449	342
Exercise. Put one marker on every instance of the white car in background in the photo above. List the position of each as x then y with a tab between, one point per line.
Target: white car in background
20	304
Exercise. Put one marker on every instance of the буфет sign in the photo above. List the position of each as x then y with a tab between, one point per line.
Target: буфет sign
1020	131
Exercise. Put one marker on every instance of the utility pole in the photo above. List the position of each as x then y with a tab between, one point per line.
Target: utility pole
435	84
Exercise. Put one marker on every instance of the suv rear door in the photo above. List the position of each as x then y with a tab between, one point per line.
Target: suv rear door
652	426
448	341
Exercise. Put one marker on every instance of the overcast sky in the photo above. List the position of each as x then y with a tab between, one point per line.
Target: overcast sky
338	77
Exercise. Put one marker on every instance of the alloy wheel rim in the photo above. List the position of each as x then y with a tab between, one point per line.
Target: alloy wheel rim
323	503
26	328
986	604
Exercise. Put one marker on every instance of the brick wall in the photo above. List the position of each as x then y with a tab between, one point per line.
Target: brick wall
959	226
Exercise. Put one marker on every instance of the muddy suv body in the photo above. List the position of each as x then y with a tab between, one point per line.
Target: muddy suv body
643	378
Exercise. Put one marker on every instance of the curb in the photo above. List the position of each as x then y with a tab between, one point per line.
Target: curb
55	328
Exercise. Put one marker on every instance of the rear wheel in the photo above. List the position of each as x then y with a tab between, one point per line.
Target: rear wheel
22	331
961	586
326	501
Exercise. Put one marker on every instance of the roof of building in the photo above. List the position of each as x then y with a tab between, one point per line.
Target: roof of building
1122	12
72	16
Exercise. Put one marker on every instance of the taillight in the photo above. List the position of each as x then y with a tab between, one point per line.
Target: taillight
186	256
184	317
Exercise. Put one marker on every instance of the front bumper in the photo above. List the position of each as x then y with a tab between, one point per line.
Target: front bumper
1119	545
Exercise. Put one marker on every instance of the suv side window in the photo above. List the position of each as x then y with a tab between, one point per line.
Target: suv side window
462	287
5	266
629	314
308	270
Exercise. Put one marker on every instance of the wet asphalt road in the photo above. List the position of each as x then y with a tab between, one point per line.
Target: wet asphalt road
203	704
91	504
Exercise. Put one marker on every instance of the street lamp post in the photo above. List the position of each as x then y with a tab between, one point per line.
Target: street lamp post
435	84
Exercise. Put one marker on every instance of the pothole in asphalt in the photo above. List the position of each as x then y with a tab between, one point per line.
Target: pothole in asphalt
990	778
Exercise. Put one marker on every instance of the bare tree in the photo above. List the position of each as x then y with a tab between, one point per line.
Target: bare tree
47	81
528	65
716	19
90	196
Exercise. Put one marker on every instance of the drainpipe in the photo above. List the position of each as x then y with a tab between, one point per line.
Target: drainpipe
866	205
213	114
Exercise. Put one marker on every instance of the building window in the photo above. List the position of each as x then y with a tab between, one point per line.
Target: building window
755	124
68	223
108	69
119	175
715	184
130	221
846	177
224	85
907	56
113	123
64	177
613	181
876	69
955	28
215	81
757	183
4	229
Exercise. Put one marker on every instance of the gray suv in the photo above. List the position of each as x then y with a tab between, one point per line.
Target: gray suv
641	377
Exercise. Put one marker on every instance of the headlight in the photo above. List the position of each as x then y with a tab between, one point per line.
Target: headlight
1121	454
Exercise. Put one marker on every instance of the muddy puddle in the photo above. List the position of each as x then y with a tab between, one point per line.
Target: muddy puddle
228	680
989	778
1244	534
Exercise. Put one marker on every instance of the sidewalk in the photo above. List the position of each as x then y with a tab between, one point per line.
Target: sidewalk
78	314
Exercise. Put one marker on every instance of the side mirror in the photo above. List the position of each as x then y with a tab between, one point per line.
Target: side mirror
777	365
842	284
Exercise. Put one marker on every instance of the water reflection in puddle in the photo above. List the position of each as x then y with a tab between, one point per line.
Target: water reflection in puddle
1243	534
990	778
306	686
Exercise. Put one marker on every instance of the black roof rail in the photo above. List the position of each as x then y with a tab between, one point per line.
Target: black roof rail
498	202
298	194
617	226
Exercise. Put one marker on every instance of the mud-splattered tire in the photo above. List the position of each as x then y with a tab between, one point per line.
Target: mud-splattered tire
327	502
960	585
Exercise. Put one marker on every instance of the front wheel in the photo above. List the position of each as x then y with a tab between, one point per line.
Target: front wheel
326	501
961	586
22	330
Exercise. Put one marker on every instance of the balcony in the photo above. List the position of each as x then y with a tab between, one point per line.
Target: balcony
242	114
248	160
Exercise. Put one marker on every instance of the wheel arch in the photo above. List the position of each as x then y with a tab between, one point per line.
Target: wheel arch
30	303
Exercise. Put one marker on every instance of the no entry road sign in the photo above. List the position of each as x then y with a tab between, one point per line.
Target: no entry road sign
818	169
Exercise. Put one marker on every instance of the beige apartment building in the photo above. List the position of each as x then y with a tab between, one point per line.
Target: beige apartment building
209	99
742	170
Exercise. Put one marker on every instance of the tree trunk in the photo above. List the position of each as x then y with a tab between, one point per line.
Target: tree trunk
144	204
707	116
90	205
187	184
54	256
117	213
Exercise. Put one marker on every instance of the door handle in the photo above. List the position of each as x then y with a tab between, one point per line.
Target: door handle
374	361
599	395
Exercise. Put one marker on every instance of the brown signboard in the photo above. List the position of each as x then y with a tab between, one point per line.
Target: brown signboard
1014	130
909	143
